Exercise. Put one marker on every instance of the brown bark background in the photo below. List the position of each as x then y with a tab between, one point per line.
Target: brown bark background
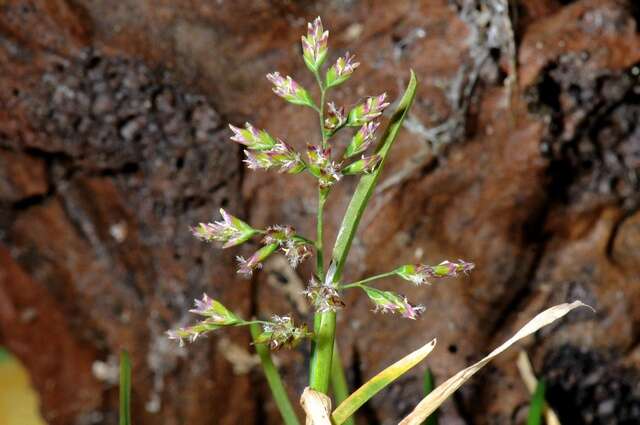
522	154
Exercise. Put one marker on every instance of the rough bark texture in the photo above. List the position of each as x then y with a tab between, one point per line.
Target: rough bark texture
113	141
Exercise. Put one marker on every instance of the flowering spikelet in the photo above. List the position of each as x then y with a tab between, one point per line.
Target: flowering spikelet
289	90
282	332
368	111
280	155
214	310
420	274
216	316
278	234
286	158
252	138
335	117
247	266
323	296
362	139
296	251
314	45
390	302
364	165
257	160
321	165
230	231
339	72
293	247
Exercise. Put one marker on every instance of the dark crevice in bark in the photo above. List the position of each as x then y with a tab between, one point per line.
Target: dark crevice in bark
259	397
31	201
537	239
634	7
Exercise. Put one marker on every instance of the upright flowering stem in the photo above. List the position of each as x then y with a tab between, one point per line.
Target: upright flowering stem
325	323
322	198
323	91
325	333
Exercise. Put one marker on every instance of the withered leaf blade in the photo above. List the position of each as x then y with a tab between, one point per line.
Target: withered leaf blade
431	402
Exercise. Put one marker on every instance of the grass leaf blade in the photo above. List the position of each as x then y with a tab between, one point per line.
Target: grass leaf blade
339	382
378	382
537	405
367	182
125	388
428	386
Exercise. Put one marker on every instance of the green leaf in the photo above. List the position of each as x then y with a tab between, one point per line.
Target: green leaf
273	379
324	323
339	382
125	388
378	382
367	183
536	409
429	385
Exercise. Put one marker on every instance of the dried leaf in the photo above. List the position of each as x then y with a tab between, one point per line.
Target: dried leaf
317	407
378	382
431	402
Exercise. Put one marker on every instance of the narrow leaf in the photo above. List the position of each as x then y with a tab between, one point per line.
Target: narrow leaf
378	382
368	182
339	381
431	402
529	378
537	405
273	379
125	388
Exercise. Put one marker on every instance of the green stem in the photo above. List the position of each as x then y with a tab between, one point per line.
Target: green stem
320	110
322	198
253	322
324	324
303	239
325	332
369	279
273	379
339	382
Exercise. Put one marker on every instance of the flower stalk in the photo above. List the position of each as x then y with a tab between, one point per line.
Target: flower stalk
266	152
273	379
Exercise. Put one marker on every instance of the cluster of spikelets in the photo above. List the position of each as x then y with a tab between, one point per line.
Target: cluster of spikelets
265	152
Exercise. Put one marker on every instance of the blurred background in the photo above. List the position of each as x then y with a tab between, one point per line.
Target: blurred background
521	154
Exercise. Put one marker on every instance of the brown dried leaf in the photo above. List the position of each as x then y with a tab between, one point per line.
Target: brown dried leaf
317	407
431	402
